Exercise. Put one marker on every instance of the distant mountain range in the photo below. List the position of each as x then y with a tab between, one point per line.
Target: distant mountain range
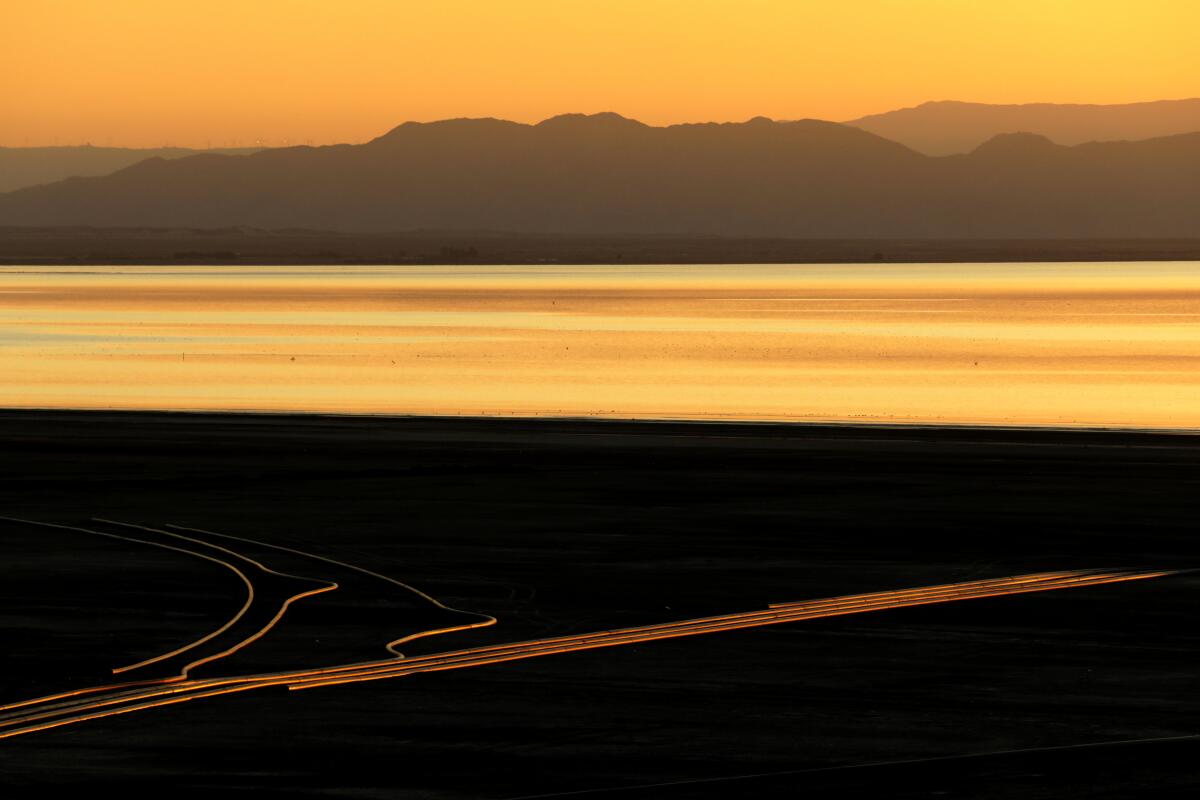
605	174
946	128
31	166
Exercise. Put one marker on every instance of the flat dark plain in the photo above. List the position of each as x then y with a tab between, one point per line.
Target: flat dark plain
559	527
75	247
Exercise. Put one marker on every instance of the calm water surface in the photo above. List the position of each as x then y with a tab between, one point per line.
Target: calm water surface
1049	344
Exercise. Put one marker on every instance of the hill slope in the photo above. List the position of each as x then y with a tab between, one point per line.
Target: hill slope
945	128
32	166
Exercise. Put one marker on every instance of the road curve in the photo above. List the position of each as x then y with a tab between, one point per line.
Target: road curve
83	705
251	607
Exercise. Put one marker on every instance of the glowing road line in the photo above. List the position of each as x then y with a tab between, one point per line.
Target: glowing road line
549	647
187	668
390	668
850	604
42	713
768	613
951	590
241	612
450	663
867	602
741	615
1036	576
839	606
125	710
241	575
328	586
485	621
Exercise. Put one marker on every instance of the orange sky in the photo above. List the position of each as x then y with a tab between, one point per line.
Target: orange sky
192	72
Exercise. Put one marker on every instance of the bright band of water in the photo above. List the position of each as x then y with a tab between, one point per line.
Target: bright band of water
1108	345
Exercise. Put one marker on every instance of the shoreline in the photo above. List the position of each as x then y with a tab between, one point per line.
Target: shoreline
672	427
77	246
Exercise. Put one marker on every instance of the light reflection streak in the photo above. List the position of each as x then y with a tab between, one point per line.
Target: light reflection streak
459	659
192	645
94	703
324	586
186	669
804	610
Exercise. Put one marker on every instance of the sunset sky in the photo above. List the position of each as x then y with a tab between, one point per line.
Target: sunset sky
222	72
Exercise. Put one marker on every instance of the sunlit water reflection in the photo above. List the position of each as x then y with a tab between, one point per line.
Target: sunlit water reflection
1054	344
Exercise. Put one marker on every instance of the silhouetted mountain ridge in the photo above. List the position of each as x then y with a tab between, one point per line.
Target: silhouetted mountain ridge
605	174
949	126
32	166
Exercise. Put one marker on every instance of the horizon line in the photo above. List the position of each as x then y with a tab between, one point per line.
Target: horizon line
301	141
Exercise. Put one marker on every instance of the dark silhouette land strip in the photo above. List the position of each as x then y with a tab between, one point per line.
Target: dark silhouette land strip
83	247
571	528
665	786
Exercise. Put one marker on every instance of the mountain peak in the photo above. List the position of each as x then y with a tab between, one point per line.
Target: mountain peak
605	120
1021	143
442	125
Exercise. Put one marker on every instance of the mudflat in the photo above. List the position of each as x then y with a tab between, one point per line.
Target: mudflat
558	527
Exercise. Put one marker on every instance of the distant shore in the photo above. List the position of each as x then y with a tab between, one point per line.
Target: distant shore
245	246
852	434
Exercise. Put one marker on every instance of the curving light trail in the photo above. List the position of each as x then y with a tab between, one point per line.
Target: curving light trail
220	562
322	586
99	702
485	620
185	670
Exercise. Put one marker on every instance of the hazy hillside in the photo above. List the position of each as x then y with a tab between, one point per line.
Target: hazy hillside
606	174
951	127
30	166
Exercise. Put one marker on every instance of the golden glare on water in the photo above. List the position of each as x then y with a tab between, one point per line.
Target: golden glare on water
1033	344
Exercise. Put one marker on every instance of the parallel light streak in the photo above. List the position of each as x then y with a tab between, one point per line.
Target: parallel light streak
208	637
820	609
43	713
325	586
513	651
485	620
184	672
741	619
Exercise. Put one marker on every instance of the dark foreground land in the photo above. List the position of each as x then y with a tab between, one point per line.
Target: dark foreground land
251	246
567	527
